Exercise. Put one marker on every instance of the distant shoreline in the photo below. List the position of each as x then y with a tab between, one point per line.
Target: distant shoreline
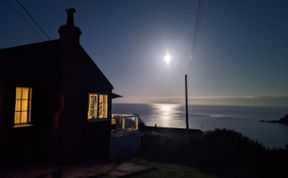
283	120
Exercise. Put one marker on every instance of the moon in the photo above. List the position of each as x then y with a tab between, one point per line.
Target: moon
167	59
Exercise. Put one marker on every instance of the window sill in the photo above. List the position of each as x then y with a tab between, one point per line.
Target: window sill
22	125
96	120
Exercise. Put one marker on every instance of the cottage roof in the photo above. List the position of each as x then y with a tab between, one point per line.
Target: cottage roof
49	53
34	53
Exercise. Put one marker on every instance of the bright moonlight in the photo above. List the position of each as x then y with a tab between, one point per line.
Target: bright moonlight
167	59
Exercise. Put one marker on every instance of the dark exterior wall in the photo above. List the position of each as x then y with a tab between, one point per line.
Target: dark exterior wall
81	78
61	79
28	67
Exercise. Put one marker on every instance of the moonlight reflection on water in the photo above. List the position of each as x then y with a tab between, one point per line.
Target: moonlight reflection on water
165	114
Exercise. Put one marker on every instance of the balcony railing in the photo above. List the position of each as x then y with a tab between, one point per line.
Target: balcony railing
125	122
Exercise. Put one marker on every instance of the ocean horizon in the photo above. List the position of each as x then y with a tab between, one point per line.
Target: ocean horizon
243	119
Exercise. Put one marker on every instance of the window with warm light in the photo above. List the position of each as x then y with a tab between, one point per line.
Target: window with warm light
23	106
98	106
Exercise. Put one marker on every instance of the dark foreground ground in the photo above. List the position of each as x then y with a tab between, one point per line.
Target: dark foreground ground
136	168
168	152
79	170
166	170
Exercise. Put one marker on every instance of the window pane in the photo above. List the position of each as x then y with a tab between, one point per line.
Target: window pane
95	113
91	98
90	103
100	106
18	93
18	105
92	110
24	105
103	106
95	106
17	118
24	117
90	114
25	93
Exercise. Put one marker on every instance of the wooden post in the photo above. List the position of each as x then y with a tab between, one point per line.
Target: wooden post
186	102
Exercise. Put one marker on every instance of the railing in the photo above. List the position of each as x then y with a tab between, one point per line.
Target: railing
125	122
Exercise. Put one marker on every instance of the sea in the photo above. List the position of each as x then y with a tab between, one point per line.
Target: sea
243	119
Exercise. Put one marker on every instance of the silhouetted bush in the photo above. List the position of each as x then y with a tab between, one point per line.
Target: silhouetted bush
223	152
229	147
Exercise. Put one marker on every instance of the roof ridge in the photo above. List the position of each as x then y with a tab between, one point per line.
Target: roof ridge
30	44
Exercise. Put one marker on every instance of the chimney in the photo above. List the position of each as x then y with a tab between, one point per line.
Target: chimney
68	32
70	16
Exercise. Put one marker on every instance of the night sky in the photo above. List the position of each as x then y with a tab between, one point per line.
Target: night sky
242	47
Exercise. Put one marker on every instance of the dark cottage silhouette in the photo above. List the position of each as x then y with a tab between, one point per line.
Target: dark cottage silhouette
54	100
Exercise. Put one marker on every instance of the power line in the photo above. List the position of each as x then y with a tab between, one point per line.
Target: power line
198	19
23	19
34	21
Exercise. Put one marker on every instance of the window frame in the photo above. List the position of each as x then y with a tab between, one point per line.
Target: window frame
97	105
21	100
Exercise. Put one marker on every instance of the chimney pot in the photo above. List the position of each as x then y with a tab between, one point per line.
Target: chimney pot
70	16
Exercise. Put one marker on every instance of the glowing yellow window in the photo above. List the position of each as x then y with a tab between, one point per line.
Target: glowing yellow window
93	106
23	102
103	106
98	106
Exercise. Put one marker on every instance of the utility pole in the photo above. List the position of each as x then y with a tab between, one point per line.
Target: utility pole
186	102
